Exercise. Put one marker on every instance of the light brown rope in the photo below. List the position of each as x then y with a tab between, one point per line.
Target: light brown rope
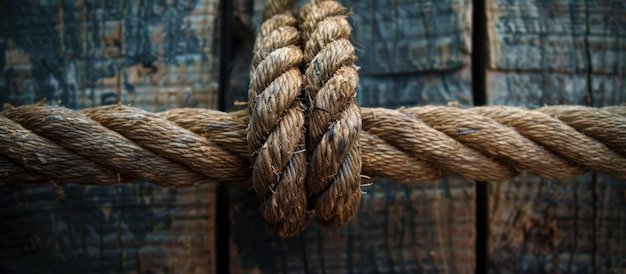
266	146
407	156
276	127
334	119
601	125
475	130
562	139
43	144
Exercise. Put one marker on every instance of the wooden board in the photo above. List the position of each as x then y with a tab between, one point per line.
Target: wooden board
153	55
135	228
401	228
546	53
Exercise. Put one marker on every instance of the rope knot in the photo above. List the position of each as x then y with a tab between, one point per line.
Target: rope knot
329	189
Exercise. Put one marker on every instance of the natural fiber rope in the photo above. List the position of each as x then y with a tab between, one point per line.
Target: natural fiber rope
43	144
334	118
276	127
407	156
266	145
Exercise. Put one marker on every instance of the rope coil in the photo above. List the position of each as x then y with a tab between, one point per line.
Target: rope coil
304	144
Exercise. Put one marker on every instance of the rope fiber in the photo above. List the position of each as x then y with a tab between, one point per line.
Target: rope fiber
303	143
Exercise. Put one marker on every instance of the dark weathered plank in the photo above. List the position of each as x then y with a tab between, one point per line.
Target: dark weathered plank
156	55
412	53
401	36
546	53
541	225
401	228
96	229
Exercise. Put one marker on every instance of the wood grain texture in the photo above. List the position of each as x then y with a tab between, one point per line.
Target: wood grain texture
540	225
154	55
87	53
399	228
546	53
137	228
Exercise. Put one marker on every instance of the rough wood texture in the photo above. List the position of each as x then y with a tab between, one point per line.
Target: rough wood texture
401	228
552	52
547	52
137	228
409	36
88	53
151	54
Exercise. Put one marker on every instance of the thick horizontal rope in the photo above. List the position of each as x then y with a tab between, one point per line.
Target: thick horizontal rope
58	145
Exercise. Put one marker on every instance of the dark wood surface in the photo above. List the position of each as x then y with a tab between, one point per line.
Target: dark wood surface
85	53
546	53
412	52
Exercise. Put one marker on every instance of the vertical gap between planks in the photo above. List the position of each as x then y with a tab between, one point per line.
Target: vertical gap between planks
594	176
222	226
479	57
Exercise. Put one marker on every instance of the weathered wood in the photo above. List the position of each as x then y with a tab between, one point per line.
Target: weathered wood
155	55
95	229
546	53
400	36
540	225
401	228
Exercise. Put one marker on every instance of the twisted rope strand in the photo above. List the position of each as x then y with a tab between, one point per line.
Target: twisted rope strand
561	138
85	137
474	130
183	147
601	125
426	143
276	126
334	118
38	155
380	155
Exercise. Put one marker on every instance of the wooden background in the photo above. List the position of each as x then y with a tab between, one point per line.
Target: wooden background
164	54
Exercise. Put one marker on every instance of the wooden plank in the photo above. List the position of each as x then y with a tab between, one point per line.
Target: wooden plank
400	36
86	53
402	228
394	91
539	225
546	53
607	52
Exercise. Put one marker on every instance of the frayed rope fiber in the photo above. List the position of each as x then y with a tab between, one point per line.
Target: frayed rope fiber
112	145
303	143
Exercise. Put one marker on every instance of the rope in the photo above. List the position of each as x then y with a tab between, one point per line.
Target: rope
334	119
47	142
276	127
117	144
304	144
